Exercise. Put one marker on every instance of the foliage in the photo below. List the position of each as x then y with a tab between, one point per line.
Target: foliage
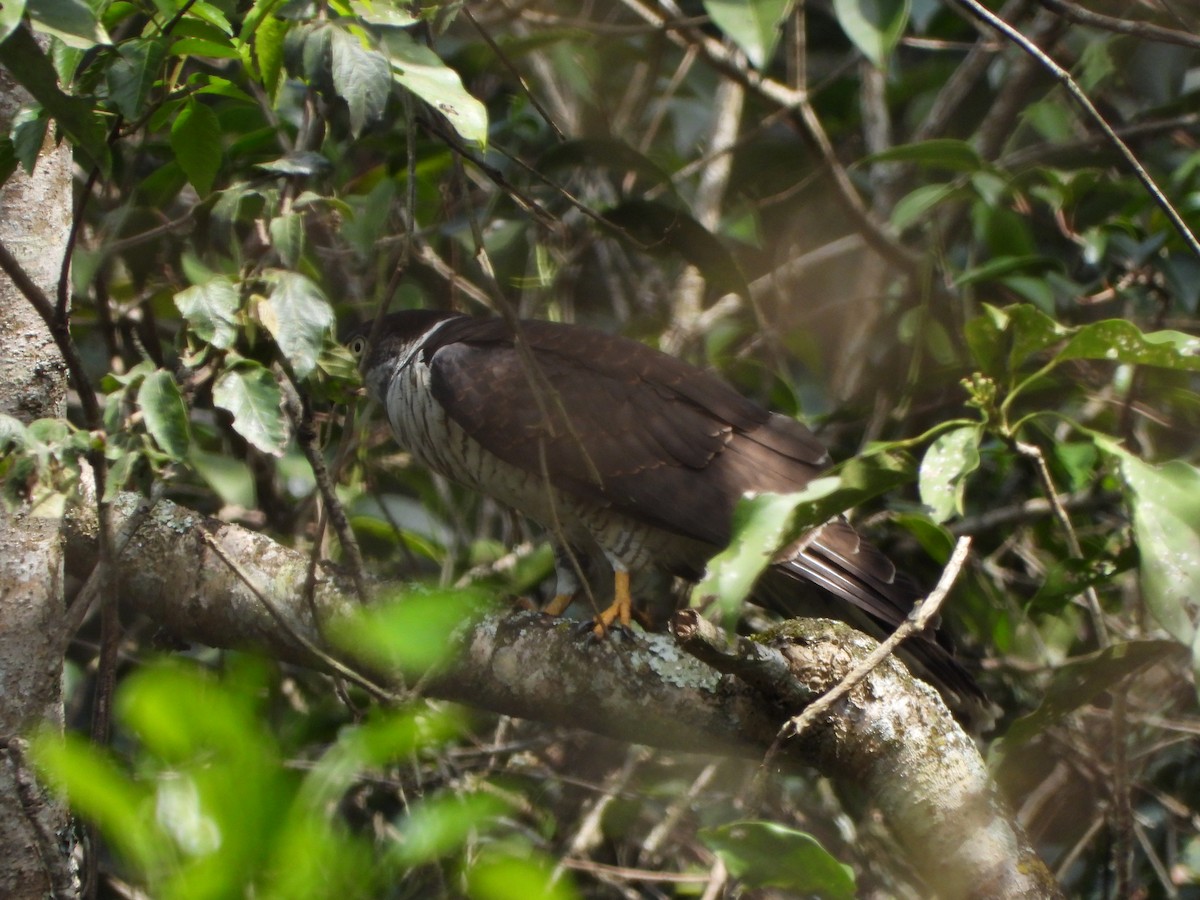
997	305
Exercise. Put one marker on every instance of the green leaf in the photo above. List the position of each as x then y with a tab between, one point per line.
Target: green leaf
287	237
1004	265
29	135
912	207
196	141
211	310
440	825
230	478
496	877
411	632
71	21
383	12
361	77
760	527
1166	527
875	26
11	13
132	75
209	49
251	395
763	854
165	414
942	153
268	52
298	317
1121	341
751	24
949	460
419	69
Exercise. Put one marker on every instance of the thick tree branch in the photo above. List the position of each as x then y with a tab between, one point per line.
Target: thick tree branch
891	732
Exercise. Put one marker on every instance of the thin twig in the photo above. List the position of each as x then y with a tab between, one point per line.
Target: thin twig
923	613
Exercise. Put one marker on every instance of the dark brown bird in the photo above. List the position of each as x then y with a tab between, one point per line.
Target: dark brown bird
609	443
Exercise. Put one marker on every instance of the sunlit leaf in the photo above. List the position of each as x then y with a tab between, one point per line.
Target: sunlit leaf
250	394
875	26
164	413
751	24
361	77
11	13
299	317
949	460
419	69
1121	341
71	21
211	310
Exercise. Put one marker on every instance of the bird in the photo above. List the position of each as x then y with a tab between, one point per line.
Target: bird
616	447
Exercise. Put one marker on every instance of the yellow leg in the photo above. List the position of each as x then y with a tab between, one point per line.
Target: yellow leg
621	609
558	604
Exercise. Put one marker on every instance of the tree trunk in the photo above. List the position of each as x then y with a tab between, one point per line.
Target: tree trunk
35	217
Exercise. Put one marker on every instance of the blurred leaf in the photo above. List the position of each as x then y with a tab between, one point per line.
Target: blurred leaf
410	633
760	524
383	12
287	237
439	825
875	26
912	207
165	413
196	142
751	24
420	70
11	13
656	227
298	317
942	153
71	21
231	479
763	854
211	310
29	135
934	538
604	153
1166	526
1001	266
302	163
496	877
250	394
361	77
1079	682
949	460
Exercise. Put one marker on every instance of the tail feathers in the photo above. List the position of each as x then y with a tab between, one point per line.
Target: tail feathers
837	559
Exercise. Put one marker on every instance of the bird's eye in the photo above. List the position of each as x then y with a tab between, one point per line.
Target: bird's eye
357	345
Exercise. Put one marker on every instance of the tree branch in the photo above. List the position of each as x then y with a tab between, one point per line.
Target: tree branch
891	732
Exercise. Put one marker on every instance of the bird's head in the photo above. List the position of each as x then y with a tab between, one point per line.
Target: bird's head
381	350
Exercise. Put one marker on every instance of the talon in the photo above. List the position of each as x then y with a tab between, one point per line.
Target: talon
558	604
621	610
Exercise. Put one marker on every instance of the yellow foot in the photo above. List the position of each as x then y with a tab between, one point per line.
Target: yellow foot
558	604
621	610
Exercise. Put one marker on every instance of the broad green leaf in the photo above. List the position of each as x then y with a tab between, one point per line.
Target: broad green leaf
760	527
763	854
949	460
913	207
875	26
1121	341
71	21
420	70
751	24
383	12
11	13
268	52
29	135
165	414
209	13
411	633
209	49
1166	527
287	237
211	310
250	394
1079	682
361	77
230	478
943	153
298	317
503	877
132	75
196	141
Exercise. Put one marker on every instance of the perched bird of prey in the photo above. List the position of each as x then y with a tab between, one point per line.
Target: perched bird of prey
611	444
